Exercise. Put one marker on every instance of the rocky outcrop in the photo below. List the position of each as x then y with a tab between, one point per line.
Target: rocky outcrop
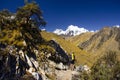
60	55
16	64
12	66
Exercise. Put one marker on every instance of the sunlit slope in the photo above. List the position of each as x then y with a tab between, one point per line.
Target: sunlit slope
81	56
107	39
80	38
98	43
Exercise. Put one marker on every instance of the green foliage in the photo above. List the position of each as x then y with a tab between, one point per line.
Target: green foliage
106	68
21	29
22	26
30	13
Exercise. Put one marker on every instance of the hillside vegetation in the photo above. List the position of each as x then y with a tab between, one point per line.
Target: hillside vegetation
100	42
105	40
82	57
80	38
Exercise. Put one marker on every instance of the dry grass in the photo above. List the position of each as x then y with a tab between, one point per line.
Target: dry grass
80	38
82	57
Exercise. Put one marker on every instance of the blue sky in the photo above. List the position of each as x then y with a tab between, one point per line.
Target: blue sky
90	14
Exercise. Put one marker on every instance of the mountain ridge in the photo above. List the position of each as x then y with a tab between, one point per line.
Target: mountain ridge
71	31
107	39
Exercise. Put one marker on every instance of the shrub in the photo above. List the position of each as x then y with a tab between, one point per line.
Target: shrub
106	68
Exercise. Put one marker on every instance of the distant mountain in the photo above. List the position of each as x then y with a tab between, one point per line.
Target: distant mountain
98	43
117	26
70	31
107	39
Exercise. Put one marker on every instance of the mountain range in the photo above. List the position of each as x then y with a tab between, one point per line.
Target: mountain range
100	42
92	44
28	53
88	46
71	31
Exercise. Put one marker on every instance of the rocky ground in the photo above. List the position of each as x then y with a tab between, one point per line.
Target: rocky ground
65	74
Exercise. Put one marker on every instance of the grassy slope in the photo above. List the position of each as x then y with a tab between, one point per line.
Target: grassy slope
81	56
80	38
95	52
109	45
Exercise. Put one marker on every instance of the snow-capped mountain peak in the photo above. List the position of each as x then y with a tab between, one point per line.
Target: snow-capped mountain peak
59	32
118	26
70	31
75	30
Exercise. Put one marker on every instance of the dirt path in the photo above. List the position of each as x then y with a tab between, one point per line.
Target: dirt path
65	75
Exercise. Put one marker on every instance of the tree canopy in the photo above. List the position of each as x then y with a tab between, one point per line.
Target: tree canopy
27	20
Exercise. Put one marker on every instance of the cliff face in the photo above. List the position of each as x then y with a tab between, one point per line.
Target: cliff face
13	64
104	40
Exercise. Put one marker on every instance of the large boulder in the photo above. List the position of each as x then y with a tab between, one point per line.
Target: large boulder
61	55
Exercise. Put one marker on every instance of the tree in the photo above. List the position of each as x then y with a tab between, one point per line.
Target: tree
24	24
29	19
4	18
31	12
25	1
